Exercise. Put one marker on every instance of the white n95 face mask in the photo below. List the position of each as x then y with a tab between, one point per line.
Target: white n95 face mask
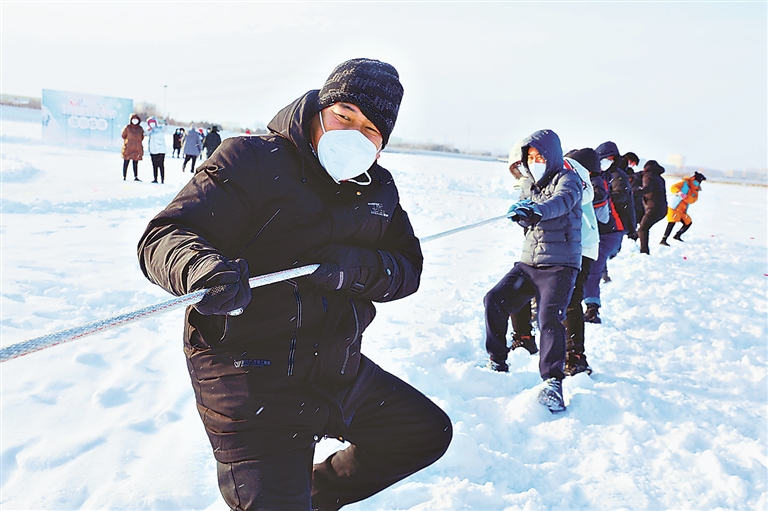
346	154
537	170
605	163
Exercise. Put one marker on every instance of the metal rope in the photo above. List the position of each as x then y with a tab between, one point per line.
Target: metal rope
70	334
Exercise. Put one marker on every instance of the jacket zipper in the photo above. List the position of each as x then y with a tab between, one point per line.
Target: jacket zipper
292	351
357	333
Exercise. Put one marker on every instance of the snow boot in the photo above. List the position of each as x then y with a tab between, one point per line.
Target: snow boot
524	341
681	232
551	395
667	232
592	315
499	367
576	363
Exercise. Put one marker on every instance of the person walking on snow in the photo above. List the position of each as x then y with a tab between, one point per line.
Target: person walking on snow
133	150
686	193
193	146
273	380
157	148
654	196
212	141
550	211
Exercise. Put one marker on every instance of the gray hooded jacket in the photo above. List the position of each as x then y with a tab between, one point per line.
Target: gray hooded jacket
556	239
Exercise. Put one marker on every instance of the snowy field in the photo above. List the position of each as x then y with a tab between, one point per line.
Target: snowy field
675	415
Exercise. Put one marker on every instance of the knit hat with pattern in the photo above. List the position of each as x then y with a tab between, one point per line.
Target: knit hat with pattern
373	86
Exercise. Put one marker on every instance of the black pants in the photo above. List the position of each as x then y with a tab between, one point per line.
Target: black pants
188	157
650	218
394	430
552	286
574	314
135	168
158	163
176	152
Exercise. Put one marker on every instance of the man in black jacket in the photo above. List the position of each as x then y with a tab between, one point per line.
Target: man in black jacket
272	381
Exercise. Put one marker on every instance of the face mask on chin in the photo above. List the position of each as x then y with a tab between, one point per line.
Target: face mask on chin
346	154
537	170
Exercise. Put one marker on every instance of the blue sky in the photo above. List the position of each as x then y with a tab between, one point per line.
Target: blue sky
658	78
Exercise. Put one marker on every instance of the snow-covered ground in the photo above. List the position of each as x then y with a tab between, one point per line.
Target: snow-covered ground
675	415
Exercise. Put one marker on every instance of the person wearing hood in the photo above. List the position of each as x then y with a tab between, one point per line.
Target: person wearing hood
277	368
686	193
157	148
615	166
611	224
133	149
550	211
654	196
193	146
212	140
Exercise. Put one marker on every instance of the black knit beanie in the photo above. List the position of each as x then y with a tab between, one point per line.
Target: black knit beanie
588	159
373	86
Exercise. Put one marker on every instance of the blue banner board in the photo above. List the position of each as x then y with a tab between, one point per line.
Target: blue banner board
84	119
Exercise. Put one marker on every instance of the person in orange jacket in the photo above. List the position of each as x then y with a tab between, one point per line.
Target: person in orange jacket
686	193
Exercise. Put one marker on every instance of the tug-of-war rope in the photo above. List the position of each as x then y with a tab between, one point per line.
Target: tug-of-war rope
101	325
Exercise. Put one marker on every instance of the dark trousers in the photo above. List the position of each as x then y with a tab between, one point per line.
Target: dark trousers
574	314
650	218
394	430
135	168
158	164
552	287
188	157
608	245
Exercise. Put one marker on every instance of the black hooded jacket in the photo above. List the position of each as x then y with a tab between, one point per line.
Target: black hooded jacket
265	381
654	189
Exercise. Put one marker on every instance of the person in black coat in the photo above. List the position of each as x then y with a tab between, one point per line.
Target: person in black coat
178	135
273	380
212	141
654	194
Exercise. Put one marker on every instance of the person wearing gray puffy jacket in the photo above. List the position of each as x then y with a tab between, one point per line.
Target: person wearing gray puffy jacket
550	211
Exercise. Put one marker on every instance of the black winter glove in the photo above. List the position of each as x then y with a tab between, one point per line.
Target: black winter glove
327	276
227	284
345	268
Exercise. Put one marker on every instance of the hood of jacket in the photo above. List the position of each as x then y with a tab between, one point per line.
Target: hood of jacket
547	143
654	167
588	159
134	116
607	149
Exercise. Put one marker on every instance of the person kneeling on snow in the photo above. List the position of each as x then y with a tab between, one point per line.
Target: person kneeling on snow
550	211
686	193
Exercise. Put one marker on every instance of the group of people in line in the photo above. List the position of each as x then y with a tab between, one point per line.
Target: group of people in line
576	210
279	367
191	142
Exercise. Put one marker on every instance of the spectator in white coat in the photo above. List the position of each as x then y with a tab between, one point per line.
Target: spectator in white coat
157	148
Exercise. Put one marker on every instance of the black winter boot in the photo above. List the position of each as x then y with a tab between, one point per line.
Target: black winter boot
682	231
576	363
667	232
592	315
524	341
